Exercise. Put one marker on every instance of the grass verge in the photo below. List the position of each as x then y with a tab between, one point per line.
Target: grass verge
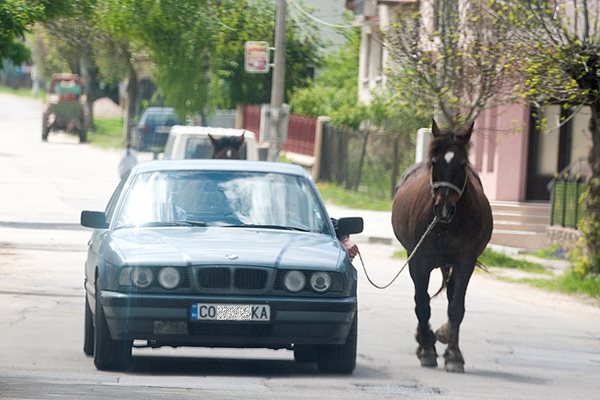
24	92
491	258
332	193
569	282
108	134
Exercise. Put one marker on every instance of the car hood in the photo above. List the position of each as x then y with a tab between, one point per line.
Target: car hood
224	246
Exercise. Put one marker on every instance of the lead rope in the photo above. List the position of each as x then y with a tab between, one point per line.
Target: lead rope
429	228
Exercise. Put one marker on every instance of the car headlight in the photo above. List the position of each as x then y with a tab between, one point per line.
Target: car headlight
320	281
142	277
169	278
294	281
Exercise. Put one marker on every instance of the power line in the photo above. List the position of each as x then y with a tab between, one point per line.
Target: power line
317	20
304	31
223	24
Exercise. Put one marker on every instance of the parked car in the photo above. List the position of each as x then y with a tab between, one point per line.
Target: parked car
65	107
193	142
152	130
219	253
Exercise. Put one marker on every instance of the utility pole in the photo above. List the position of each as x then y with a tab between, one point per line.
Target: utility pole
278	83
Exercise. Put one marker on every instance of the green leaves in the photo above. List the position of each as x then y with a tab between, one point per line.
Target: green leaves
17	18
335	91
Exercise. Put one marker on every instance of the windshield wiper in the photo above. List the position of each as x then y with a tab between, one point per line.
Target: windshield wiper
280	227
163	224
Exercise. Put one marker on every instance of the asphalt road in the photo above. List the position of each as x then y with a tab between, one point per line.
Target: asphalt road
518	342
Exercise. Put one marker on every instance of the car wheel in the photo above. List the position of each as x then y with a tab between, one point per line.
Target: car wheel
45	131
82	136
305	353
109	354
339	358
88	330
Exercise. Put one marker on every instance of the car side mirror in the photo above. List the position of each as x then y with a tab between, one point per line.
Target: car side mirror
348	225
94	219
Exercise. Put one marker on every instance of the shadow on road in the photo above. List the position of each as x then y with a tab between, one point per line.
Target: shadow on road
64	226
509	377
210	366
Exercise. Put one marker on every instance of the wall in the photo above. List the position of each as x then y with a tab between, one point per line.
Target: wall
500	151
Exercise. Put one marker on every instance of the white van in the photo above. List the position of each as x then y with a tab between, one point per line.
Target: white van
192	142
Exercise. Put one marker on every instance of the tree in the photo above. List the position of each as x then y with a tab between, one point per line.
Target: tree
246	20
562	65
335	91
450	57
16	18
75	36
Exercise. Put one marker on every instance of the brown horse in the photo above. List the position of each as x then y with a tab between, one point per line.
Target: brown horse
227	147
448	189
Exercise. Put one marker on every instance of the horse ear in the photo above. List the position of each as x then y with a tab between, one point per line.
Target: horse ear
241	139
435	131
212	139
467	135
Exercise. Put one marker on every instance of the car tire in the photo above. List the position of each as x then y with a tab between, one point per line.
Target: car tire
82	136
88	330
109	354
305	353
45	131
339	358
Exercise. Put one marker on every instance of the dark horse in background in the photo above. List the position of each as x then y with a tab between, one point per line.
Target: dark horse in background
447	188
227	147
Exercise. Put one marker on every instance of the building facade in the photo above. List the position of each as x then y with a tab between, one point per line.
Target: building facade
516	159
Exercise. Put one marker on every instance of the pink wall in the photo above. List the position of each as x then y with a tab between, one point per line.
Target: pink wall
499	151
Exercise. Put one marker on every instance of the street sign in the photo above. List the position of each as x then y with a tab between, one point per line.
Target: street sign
256	57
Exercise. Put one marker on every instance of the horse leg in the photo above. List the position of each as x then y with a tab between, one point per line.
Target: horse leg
457	287
442	333
424	335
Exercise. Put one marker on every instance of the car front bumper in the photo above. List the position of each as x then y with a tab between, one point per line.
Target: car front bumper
165	320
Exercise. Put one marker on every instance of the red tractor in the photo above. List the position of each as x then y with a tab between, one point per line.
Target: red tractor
65	108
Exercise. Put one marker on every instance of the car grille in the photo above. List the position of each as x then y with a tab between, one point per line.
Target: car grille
232	278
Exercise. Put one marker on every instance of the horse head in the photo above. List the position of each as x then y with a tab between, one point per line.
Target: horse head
448	161
227	147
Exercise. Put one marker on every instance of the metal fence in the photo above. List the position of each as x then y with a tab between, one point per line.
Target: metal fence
222	119
366	161
301	135
568	208
567	189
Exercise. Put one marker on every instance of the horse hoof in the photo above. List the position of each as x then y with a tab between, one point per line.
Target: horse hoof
429	362
442	334
454	366
428	359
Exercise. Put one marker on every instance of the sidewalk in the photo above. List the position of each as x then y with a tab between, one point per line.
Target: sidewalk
377	224
378	229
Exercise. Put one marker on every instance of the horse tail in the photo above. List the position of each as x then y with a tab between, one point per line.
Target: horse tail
446	275
482	266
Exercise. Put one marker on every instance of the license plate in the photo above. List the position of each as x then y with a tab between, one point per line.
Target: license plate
231	312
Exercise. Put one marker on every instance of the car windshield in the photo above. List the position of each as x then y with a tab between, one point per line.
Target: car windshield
224	198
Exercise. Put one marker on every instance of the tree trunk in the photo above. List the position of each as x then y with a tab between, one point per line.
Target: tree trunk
395	165
132	100
89	74
591	228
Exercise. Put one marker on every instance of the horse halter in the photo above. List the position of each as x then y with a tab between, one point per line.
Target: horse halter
449	185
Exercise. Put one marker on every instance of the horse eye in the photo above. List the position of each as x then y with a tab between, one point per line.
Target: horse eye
463	163
434	160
